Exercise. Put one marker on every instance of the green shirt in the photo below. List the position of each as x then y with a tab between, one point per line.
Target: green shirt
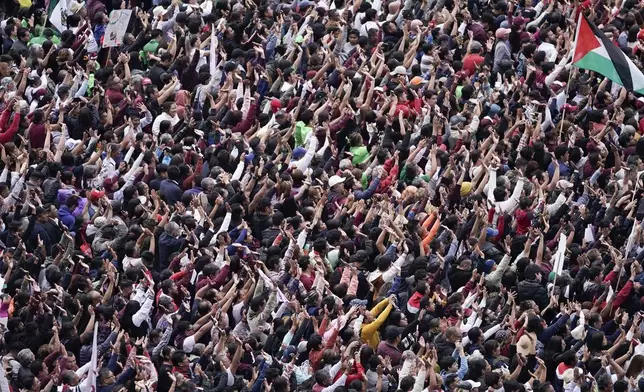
150	47
41	40
360	154
301	133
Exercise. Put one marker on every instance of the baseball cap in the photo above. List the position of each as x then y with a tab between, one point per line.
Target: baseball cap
96	194
487	266
519	21
358	302
299	152
456	119
468	385
502	32
158	11
399	70
557	86
417	81
335	180
487	121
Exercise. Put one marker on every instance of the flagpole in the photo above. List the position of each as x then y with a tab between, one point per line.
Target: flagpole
559	258
563	112
574	47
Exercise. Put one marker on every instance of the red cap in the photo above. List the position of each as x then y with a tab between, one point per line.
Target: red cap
639	103
275	105
518	20
96	194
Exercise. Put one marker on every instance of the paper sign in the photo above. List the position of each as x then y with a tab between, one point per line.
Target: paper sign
116	28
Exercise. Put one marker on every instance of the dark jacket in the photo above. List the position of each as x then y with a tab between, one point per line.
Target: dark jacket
167	246
155	75
269	235
531	289
444	347
170	191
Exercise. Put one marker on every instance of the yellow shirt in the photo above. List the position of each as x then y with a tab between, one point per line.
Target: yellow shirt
369	332
24	3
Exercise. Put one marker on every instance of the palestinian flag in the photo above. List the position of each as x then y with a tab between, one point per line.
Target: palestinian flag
595	52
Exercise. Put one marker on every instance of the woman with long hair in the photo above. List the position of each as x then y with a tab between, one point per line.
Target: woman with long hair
135	315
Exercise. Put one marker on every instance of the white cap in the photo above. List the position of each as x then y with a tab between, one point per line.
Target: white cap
335	180
473	384
158	10
399	70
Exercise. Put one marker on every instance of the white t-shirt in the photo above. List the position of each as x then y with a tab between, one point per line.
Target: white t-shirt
550	50
132	262
364	30
160	118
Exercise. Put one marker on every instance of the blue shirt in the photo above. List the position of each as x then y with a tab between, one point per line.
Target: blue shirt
564	170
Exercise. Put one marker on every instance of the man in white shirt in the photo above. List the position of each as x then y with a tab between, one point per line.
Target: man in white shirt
547	38
169	114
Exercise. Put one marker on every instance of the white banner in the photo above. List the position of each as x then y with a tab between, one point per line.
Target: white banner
58	17
116	28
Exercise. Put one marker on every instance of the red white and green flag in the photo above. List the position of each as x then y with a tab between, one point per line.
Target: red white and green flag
595	52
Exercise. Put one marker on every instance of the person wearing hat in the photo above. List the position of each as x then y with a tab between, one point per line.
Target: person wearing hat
303	128
531	287
518	34
78	8
501	47
337	193
454	366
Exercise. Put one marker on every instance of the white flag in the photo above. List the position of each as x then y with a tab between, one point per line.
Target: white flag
589	236
58	17
631	240
93	369
610	294
214	44
560	255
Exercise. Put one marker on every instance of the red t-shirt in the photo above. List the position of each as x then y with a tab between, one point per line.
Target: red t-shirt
524	219
37	135
114	96
470	62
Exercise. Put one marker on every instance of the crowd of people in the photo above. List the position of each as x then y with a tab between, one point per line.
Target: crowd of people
330	196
